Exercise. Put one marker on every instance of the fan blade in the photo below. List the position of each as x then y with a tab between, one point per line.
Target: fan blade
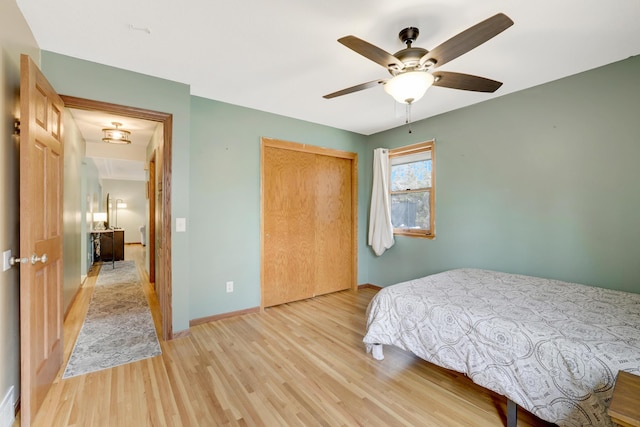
372	52
465	82
356	88
468	40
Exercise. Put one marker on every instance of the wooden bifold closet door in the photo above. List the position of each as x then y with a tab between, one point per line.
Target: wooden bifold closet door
309	212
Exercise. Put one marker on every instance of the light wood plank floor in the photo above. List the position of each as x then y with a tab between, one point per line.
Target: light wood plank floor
298	364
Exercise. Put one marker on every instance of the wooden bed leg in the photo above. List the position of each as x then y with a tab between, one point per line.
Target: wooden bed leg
512	413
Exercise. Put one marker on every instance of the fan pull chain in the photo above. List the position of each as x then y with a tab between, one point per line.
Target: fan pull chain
408	120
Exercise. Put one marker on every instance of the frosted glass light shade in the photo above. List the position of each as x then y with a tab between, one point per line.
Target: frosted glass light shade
409	87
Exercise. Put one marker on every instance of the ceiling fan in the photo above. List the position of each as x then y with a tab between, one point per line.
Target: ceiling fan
411	67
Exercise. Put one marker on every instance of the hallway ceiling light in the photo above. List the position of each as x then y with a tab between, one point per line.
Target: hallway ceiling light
116	135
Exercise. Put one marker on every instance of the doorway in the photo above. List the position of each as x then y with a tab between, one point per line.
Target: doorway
162	271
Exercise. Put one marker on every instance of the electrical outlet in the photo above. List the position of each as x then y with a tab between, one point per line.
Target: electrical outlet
229	286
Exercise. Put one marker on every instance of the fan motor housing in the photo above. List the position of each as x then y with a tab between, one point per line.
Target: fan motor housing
410	57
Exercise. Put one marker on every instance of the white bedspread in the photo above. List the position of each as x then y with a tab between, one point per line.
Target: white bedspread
552	347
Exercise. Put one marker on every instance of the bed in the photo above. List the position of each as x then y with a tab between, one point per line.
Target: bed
552	347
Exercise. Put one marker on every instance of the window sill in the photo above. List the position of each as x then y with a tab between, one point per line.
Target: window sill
420	235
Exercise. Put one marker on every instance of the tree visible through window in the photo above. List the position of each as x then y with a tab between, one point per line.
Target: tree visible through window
412	189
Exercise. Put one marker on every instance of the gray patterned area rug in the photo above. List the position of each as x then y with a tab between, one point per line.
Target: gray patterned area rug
118	328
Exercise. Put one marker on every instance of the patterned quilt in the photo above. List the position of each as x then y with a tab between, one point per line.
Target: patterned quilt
552	347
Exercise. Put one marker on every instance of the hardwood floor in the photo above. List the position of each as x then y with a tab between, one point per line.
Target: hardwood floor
301	363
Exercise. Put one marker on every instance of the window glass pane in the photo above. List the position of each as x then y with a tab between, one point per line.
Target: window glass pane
411	176
410	210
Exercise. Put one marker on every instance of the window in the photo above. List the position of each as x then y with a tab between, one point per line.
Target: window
412	189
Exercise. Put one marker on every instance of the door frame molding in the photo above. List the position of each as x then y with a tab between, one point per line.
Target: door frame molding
166	119
151	196
312	149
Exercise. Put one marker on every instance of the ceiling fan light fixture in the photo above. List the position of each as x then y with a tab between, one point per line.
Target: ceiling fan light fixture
116	135
409	87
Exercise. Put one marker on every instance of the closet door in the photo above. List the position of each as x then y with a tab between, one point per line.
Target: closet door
308	221
289	228
333	224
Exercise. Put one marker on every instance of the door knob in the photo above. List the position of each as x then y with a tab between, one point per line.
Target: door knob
35	258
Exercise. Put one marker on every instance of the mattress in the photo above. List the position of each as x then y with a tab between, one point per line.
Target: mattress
552	347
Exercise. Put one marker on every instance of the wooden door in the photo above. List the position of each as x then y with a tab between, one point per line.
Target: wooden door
309	213
41	183
288	226
160	261
152	220
334	238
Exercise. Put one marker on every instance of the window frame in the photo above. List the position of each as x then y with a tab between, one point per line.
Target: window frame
407	151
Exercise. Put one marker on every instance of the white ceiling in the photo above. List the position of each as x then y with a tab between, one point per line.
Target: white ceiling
124	162
281	56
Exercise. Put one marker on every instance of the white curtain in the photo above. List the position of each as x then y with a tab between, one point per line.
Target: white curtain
380	228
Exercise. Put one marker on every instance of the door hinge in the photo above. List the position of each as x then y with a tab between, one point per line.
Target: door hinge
16	127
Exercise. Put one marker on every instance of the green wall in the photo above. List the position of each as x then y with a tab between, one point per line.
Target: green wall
74	149
91	193
541	182
225	198
75	77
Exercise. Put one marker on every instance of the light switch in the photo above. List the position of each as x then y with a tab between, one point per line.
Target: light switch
6	256
181	224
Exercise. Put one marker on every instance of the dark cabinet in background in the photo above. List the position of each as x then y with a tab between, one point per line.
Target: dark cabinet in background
106	248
